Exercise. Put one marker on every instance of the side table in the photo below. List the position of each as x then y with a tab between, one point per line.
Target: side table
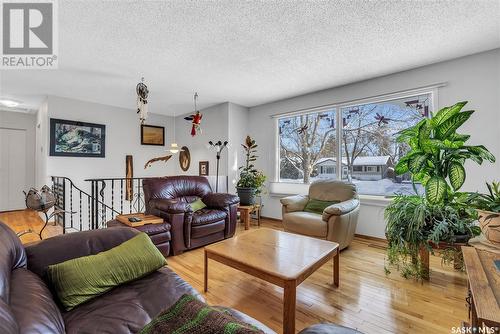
246	210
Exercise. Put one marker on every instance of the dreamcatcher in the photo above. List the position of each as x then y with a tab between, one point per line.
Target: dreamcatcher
142	100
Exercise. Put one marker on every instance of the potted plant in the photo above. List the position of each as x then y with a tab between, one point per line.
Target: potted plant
443	216
251	180
488	206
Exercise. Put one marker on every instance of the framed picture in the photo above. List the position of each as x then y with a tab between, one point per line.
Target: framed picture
184	158
203	168
77	139
152	135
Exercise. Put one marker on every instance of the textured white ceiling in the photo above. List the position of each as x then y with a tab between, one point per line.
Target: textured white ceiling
246	52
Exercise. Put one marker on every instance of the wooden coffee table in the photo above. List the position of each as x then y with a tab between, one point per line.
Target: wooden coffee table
281	258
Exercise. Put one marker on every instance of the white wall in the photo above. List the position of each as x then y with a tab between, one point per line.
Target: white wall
473	78
214	125
122	138
238	131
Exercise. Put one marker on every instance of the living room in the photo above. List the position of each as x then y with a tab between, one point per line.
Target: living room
301	166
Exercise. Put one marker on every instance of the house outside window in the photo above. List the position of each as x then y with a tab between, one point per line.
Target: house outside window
312	146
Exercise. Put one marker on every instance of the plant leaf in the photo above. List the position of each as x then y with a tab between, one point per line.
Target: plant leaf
450	125
416	164
435	189
456	174
481	151
444	114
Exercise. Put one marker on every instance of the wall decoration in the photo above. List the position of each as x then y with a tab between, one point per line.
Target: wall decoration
152	135
184	158
77	139
203	168
195	119
129	174
142	100
151	161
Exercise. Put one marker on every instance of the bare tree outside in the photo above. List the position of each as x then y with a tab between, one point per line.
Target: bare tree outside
368	146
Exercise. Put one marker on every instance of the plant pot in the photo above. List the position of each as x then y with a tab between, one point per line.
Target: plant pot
490	225
246	195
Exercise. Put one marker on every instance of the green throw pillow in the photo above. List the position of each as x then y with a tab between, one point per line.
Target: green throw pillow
189	315
197	205
79	280
317	206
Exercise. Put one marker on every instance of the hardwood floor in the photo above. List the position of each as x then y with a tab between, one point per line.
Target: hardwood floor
24	220
366	299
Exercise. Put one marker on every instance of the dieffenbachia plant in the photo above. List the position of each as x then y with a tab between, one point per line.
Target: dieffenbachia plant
438	153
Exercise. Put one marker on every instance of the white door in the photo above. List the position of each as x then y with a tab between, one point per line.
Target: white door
12	169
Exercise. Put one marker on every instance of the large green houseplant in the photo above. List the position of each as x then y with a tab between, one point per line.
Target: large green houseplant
443	216
251	180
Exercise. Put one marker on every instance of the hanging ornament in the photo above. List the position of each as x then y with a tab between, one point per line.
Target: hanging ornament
142	100
195	119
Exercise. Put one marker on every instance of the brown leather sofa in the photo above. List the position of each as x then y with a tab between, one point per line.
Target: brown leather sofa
337	222
169	198
27	304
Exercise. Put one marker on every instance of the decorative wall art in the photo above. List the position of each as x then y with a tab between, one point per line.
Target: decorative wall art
195	118
184	158
129	174
203	168
152	135
151	161
77	139
142	100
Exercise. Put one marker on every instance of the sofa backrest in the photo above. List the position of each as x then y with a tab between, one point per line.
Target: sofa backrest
184	188
332	190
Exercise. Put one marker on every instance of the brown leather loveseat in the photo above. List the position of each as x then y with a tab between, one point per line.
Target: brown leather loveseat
169	198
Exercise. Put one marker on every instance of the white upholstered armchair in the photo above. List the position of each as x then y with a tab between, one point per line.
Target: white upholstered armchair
337	222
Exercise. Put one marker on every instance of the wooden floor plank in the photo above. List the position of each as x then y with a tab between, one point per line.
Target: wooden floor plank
367	299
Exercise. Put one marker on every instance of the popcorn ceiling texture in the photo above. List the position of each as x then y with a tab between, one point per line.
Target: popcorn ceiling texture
246	52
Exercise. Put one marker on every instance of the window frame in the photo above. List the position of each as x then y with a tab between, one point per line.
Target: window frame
432	90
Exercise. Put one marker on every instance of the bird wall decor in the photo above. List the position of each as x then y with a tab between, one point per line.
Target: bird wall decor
195	119
142	100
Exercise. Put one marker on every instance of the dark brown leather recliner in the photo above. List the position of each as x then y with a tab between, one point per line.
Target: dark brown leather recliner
169	198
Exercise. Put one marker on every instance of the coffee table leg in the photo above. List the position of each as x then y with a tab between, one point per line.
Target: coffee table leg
336	258
289	301
206	273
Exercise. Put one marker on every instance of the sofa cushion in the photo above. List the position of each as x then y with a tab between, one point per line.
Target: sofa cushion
32	304
81	279
12	256
317	206
129	307
207	216
201	231
306	223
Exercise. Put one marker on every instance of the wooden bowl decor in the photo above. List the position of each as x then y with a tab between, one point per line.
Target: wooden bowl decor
184	158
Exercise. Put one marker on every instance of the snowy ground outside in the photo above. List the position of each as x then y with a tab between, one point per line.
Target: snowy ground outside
384	187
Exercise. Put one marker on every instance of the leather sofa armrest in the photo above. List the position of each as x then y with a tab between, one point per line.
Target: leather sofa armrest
295	203
220	200
169	206
339	209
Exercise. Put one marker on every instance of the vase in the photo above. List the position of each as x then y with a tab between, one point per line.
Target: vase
490	225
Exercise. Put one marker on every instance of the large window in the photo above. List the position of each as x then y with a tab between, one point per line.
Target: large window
366	152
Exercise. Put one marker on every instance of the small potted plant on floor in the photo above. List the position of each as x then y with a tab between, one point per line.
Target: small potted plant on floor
488	206
443	216
251	180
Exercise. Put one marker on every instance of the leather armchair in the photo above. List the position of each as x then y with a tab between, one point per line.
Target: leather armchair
169	198
338	221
